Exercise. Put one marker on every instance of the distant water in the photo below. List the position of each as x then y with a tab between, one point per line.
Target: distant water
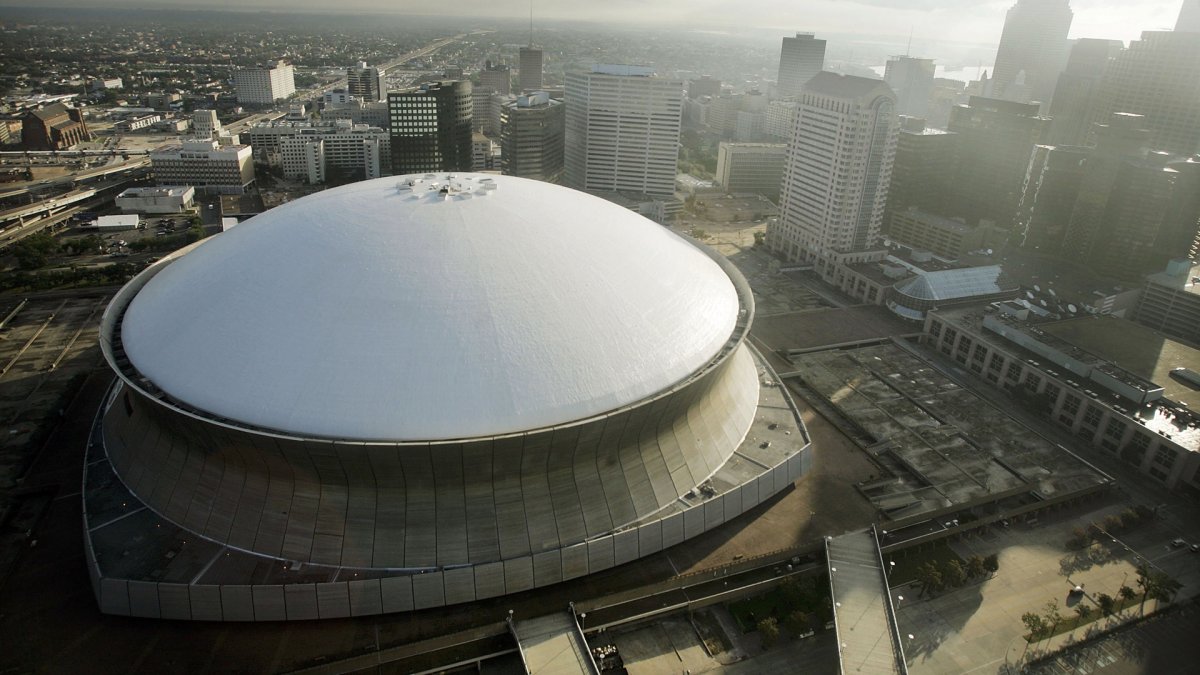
963	74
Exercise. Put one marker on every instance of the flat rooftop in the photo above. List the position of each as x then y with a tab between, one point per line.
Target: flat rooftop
945	447
1135	348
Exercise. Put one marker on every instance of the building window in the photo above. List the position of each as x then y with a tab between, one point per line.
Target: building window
1014	372
1071	404
1115	428
1165	457
1092	415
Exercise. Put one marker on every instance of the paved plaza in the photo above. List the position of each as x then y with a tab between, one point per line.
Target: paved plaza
978	629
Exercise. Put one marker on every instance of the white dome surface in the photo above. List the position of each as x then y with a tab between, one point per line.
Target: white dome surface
376	312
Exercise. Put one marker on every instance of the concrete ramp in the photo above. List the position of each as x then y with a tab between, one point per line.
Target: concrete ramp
553	645
868	638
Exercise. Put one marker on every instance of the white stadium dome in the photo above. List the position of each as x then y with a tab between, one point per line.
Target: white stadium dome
430	308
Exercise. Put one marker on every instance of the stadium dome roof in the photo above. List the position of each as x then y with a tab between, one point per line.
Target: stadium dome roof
385	310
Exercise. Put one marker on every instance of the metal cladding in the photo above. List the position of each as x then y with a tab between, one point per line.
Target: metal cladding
539	486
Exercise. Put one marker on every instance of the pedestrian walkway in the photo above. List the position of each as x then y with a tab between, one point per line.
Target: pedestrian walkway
553	644
866	628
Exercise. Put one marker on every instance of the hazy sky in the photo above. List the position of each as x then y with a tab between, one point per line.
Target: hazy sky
959	20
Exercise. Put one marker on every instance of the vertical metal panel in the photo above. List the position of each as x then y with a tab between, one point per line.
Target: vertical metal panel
205	603
600	554
564	495
114	596
300	601
429	590
420	511
612	475
625	547
365	597
489	580
650	538
518	574
596	517
547	568
714	512
174	601
483	537
451	520
306	499
269	603
237	603
693	522
510	507
672	530
390	507
330	524
333	600
460	585
359	542
575	561
535	492
143	599
397	594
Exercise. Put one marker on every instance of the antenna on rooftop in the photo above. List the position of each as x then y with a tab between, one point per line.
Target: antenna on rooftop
531	24
908	50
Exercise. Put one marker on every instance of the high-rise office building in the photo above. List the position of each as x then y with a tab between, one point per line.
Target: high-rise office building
431	127
912	81
205	124
995	142
1048	199
838	169
780	117
263	85
751	168
1189	17
1137	208
800	59
1157	78
1075	95
205	165
531	137
622	130
705	85
365	82
496	77
529	78
1033	50
923	169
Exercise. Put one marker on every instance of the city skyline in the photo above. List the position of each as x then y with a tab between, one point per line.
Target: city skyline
981	21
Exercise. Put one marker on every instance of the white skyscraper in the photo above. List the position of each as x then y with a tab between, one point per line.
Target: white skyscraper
1033	51
800	59
1189	17
622	131
263	85
838	169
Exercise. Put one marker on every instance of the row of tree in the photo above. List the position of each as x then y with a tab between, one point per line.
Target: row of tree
1116	523
1154	584
953	573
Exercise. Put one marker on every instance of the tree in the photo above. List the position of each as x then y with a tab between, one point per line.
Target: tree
1053	617
1106	602
33	251
1127	593
930	577
953	573
769	629
1083	611
1034	623
195	234
992	563
798	622
975	567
